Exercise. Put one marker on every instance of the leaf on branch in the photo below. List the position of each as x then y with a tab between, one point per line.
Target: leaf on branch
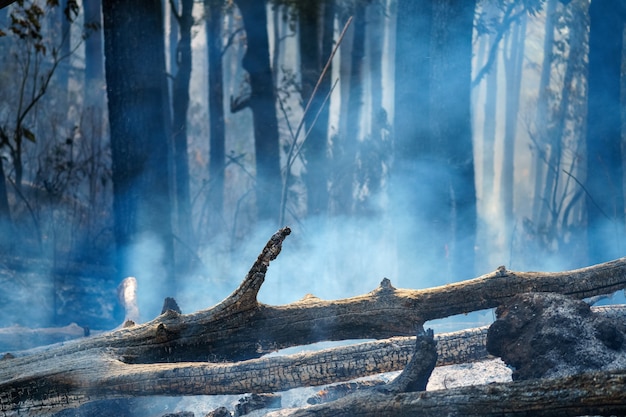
89	28
28	134
41	48
71	10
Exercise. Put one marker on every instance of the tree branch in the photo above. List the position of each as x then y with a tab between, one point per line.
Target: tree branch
507	20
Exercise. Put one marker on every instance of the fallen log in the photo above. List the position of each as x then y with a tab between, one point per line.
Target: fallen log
593	393
21	338
18	337
71	380
170	355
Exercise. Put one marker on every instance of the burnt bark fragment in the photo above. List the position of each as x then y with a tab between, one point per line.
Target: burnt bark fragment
253	402
335	392
220	412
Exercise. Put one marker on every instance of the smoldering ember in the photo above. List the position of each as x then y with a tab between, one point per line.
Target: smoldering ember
577	353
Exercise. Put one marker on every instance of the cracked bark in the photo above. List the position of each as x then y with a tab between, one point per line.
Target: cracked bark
593	393
170	355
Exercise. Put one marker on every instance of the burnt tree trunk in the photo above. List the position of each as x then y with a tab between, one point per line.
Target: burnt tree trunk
591	393
139	119
605	196
316	27
262	103
180	106
217	148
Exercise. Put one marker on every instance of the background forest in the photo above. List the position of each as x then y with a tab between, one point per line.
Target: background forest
427	142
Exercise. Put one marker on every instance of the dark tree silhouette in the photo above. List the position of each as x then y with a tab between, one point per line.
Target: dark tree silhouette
513	59
316	26
217	157
411	121
5	3
542	113
94	54
433	180
263	105
346	144
180	106
138	118
605	199
451	128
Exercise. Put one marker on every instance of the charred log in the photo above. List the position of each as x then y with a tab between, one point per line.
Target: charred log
544	335
594	393
170	354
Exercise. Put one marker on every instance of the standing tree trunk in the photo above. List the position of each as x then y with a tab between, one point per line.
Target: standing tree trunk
180	105
376	29
450	124
138	118
263	105
411	131
6	223
217	129
61	22
489	130
513	68
316	24
94	110
344	152
94	55
353	132
605	201
542	115
433	180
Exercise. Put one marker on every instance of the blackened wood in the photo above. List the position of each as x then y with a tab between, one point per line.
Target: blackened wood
133	361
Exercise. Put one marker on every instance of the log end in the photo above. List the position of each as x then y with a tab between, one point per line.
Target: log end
550	335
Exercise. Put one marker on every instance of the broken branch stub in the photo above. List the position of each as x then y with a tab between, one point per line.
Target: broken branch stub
415	375
245	297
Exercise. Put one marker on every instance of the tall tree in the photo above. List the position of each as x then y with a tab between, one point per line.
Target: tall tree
6	224
489	129
542	114
60	21
316	27
138	116
262	103
374	146
180	106
411	130
375	42
605	199
434	143
217	128
450	124
345	146
94	54
513	64
94	108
